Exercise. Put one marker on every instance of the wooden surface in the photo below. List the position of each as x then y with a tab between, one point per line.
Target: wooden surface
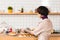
7	37
18	14
55	35
52	13
55	38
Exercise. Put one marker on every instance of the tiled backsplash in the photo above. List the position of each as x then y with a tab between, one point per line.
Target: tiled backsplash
56	21
19	21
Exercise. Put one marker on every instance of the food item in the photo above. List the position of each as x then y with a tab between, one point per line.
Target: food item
22	10
31	12
12	33
10	10
10	30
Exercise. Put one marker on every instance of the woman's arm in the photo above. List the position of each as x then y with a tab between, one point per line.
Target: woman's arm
34	32
28	31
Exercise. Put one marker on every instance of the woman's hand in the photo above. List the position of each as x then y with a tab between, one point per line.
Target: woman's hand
22	30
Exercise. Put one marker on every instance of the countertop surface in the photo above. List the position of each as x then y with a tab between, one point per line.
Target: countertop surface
53	35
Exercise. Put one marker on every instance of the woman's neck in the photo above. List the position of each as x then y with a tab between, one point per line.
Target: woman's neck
44	17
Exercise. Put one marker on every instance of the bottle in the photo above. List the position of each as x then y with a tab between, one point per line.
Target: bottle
10	30
22	10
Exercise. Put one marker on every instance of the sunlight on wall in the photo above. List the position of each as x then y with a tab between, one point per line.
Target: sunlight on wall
45	2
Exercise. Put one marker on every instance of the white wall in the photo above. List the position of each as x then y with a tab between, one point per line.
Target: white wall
17	21
56	21
17	4
53	5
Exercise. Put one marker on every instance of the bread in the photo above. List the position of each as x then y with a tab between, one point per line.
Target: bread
12	33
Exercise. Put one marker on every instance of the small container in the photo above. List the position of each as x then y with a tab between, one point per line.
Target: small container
10	10
17	30
22	10
10	30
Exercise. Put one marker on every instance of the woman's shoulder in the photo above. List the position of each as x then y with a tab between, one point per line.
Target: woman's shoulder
47	21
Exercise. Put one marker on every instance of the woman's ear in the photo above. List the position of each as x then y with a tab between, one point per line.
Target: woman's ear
39	15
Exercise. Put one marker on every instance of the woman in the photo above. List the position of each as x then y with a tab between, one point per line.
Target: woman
43	31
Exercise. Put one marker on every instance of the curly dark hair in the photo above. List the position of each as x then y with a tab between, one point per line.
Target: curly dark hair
42	10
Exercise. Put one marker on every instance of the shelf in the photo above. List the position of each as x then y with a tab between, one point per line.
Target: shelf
18	14
52	13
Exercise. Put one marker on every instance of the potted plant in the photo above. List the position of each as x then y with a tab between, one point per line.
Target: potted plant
10	10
